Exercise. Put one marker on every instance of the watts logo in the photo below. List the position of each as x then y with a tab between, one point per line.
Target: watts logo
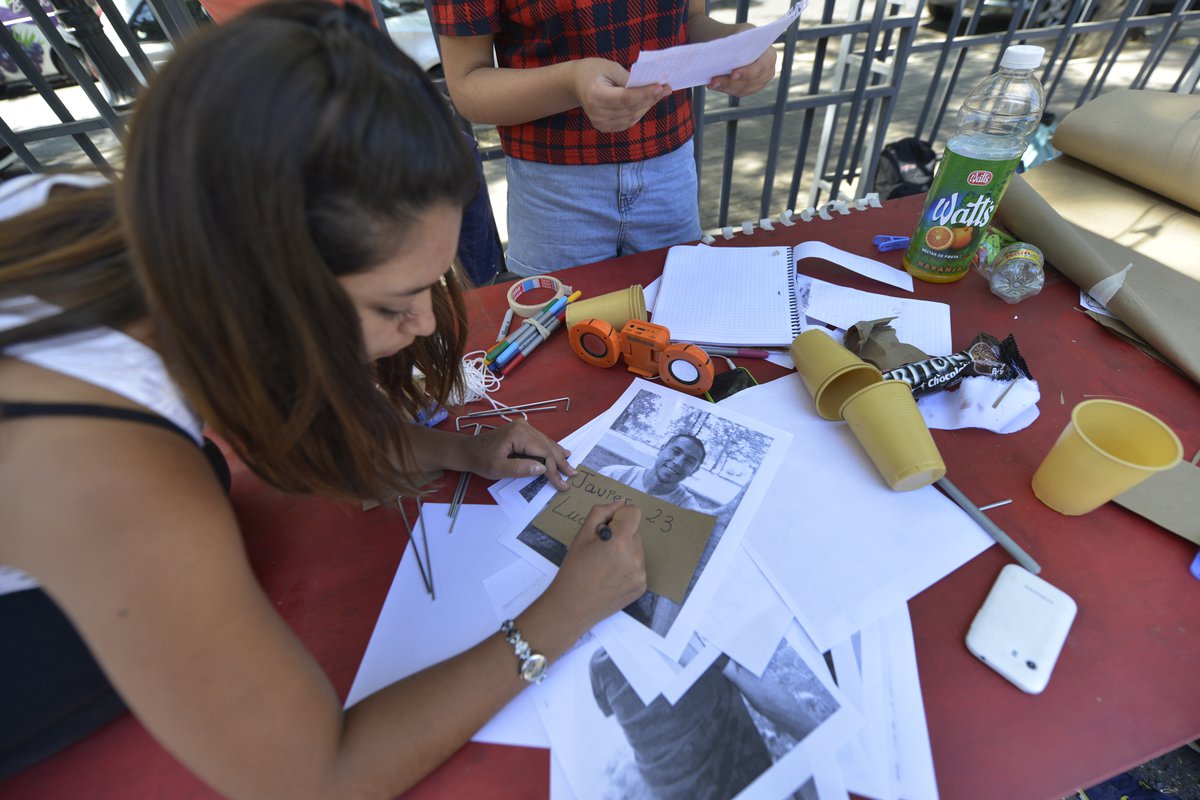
980	177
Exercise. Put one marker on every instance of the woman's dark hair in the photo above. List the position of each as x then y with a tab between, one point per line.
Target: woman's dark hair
294	145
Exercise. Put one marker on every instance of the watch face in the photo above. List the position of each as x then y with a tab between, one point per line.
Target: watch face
534	667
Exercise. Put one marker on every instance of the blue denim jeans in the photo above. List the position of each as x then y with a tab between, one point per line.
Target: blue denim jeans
560	216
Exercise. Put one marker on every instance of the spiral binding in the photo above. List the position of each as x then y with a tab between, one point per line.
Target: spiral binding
793	304
788	217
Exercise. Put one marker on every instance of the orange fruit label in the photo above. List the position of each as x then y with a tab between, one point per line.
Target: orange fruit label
958	208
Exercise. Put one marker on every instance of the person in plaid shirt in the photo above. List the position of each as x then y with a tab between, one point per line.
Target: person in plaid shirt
595	170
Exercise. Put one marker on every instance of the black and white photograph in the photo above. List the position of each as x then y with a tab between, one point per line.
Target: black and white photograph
719	738
687	452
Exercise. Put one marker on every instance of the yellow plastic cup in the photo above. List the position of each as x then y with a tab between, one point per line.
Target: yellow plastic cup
836	389
830	372
615	308
887	423
1106	448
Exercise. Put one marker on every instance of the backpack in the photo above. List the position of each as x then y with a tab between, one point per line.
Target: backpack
905	167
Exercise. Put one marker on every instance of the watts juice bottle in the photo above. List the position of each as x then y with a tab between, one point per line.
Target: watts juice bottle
994	121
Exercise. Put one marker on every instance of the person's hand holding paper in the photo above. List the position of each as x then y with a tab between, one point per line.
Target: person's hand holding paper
737	64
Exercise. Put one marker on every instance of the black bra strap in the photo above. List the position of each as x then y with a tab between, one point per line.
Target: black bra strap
211	451
18	410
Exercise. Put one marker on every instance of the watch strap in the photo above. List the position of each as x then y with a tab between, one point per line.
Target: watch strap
532	666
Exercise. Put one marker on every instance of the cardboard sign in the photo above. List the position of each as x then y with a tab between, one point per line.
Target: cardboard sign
673	537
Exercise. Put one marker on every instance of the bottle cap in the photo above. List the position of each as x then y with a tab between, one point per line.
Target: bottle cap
1022	56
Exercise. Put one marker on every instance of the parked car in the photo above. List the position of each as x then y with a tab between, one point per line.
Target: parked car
1050	12
406	22
16	19
408	25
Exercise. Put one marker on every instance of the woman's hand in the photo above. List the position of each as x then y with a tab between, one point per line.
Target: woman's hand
749	79
519	450
599	86
600	576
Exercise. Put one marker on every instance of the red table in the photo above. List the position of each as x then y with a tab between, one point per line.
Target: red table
1125	689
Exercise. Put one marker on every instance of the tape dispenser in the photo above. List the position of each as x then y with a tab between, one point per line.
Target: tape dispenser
647	351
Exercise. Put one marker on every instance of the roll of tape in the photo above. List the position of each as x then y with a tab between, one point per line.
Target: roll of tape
528	285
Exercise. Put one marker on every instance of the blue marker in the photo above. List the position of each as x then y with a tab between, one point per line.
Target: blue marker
522	340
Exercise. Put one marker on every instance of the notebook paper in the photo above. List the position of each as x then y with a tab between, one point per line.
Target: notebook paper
741	296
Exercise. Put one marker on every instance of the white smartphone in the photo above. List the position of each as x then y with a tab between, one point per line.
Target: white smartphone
1021	628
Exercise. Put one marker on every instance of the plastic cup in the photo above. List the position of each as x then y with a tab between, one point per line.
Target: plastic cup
615	308
830	372
833	393
1106	448
887	423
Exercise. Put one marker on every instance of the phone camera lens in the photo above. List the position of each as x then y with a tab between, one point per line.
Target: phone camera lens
1031	664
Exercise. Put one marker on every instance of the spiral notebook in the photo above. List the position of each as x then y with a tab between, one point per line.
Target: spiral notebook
743	296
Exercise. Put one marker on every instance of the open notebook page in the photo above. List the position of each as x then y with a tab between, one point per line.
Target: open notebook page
739	296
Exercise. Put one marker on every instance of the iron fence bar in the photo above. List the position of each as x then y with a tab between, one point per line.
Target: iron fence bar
698	99
814	86
129	40
43	87
58	130
856	103
1189	75
1116	41
776	136
887	102
727	159
82	77
1167	35
173	15
13	140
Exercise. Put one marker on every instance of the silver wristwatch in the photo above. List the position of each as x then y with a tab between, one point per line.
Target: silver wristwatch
534	666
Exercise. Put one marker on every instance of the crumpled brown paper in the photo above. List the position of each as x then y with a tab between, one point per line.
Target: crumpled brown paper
875	342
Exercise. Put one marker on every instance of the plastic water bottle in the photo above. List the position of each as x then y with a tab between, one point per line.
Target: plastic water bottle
994	122
1017	272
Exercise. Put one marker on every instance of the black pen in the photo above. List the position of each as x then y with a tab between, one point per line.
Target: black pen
540	459
604	532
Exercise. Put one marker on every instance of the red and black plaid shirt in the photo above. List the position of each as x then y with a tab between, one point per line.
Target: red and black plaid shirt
537	33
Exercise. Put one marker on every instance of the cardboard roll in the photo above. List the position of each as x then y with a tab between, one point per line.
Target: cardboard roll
646	350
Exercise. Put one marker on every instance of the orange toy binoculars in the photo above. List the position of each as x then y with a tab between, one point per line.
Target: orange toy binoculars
647	351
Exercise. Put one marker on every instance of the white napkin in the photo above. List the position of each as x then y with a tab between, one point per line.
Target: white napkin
973	405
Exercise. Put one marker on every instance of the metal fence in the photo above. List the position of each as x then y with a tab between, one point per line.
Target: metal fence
856	75
853	75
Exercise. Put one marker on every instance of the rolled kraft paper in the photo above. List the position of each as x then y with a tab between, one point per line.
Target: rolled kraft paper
1146	137
615	308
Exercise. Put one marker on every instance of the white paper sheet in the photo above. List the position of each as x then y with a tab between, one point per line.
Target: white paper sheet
414	632
867	761
747	617
651	673
598	761
513	588
890	758
765	444
838	545
868	267
798	766
688	65
921	323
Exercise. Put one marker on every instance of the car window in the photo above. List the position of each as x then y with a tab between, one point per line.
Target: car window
145	25
394	8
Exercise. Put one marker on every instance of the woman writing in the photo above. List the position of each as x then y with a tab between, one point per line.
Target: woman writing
273	262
